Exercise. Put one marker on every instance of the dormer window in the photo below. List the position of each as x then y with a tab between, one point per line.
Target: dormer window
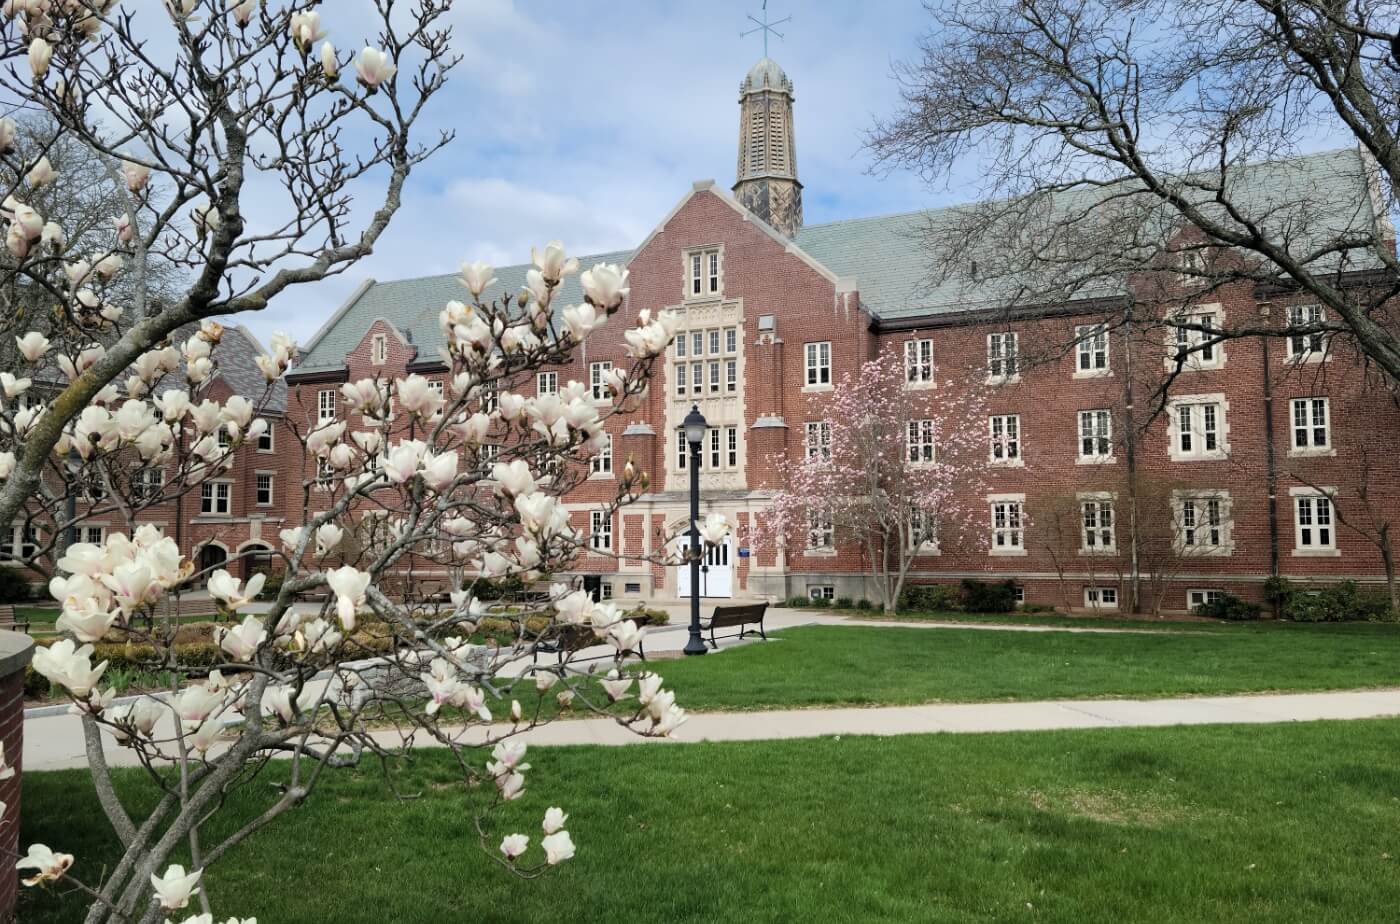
704	273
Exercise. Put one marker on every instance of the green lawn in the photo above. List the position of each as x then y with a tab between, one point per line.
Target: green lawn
1286	823
830	665
1085	621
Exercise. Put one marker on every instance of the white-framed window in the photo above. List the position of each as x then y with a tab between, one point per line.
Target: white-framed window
1096	534
682	451
680	377
716	452
1020	594
547	383
1197	598
1310	346
918	362
1091	353
263	487
20	541
325	474
597	380
818	364
265	439
713	336
697	343
93	535
600	526
490	397
731	442
731	340
1008	524
605	590
731	376
1003	357
1101	598
714	378
681	341
818	444
821	532
379	350
1005	433
1196	427
704	273
223	438
602	461
919	442
325	405
824	593
1313	530
214	497
1194	341
146	484
697	378
1095	435
923	530
1312	426
1202	522
487	454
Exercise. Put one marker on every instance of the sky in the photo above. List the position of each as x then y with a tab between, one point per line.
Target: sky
586	121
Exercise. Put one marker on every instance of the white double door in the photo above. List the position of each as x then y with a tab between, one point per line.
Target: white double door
716	570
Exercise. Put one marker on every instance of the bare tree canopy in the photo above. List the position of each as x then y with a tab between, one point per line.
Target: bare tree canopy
1102	129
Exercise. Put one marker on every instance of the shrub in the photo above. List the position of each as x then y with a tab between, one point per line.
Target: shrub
1228	606
645	616
842	603
798	601
1340	602
864	604
508	588
930	597
1277	591
272	586
14	586
988	597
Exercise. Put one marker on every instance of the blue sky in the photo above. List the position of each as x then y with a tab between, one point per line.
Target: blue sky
587	121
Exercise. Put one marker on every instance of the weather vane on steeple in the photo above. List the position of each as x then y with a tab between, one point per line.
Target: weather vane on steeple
765	27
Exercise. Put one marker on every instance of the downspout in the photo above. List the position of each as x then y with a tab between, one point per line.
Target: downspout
1270	463
1130	453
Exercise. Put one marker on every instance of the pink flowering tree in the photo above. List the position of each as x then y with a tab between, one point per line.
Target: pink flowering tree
893	467
107	409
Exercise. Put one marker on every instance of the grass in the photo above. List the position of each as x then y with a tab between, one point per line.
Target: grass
1277	824
857	665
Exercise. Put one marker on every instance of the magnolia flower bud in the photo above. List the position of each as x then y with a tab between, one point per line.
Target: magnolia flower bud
242	11
329	65
42	173
40	54
8	130
137	175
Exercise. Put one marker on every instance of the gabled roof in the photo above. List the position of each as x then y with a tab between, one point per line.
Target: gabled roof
1306	200
412	306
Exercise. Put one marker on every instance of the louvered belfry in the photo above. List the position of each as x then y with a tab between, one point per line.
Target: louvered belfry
766	183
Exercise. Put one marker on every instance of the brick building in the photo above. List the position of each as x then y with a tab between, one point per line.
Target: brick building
1237	478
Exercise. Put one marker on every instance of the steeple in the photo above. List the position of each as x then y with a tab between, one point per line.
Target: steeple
767	177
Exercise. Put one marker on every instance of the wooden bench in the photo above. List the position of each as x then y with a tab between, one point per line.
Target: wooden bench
570	639
169	606
741	616
10	620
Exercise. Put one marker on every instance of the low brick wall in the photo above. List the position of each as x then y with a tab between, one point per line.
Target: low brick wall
15	652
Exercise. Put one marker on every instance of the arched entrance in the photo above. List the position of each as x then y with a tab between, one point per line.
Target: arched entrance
211	557
257	559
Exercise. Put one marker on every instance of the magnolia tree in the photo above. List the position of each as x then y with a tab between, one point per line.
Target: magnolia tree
894	465
462	480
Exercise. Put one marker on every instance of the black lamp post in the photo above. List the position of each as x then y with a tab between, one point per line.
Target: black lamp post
695	426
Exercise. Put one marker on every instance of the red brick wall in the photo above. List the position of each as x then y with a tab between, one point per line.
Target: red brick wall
12	735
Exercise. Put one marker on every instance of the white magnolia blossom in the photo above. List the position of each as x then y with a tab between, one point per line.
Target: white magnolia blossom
715	528
477	277
42	173
513	845
605	285
374	67
175	888
136	175
330	67
32	346
48	865
242	641
306	30
40	54
8	130
225	588
69	666
349	586
552	262
554	819
558	847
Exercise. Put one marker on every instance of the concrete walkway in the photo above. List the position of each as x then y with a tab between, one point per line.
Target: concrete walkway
55	742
